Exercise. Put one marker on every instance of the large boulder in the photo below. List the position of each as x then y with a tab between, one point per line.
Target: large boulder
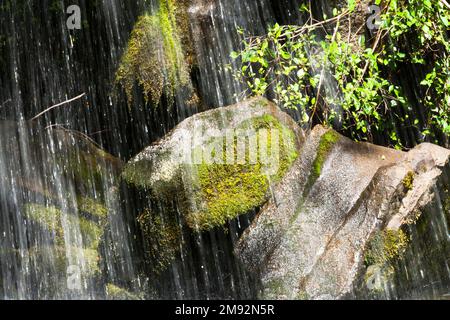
220	164
343	217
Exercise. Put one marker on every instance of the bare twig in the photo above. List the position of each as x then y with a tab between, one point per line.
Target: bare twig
379	37
5	102
74	132
304	29
57	105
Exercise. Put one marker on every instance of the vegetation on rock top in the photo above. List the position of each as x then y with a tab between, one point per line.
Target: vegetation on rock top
158	57
385	247
231	190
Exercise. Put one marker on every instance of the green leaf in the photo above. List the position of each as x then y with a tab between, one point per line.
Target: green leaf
351	5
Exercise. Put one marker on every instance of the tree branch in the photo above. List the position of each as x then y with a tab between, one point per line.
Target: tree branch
57	105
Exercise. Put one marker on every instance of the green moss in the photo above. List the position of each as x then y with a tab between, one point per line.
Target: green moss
93	207
114	292
273	289
138	174
51	219
231	190
162	239
408	180
380	257
302	295
326	143
385	247
157	72
446	205
90	231
48	217
58	256
287	151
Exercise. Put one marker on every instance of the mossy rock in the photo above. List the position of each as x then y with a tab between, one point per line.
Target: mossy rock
226	191
163	239
220	164
408	181
326	144
381	256
57	257
114	292
53	220
385	247
159	55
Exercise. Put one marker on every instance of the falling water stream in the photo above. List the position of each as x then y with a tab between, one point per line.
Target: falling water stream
67	224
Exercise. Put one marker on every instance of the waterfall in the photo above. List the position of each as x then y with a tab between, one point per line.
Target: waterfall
64	231
68	223
45	205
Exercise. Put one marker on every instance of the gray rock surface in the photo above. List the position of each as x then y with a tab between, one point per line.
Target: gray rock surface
310	240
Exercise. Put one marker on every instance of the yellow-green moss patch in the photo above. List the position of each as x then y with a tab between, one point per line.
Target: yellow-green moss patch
51	219
408	180
327	141
93	207
326	144
114	292
58	255
385	247
230	190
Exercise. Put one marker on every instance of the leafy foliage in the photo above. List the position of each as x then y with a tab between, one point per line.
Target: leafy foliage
319	70
427	22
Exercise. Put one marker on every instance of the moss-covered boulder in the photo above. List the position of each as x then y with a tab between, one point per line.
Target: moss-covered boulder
347	221
159	55
219	164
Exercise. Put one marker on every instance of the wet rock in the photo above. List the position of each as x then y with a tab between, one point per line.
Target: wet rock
219	164
114	292
340	214
59	183
164	71
72	153
414	260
